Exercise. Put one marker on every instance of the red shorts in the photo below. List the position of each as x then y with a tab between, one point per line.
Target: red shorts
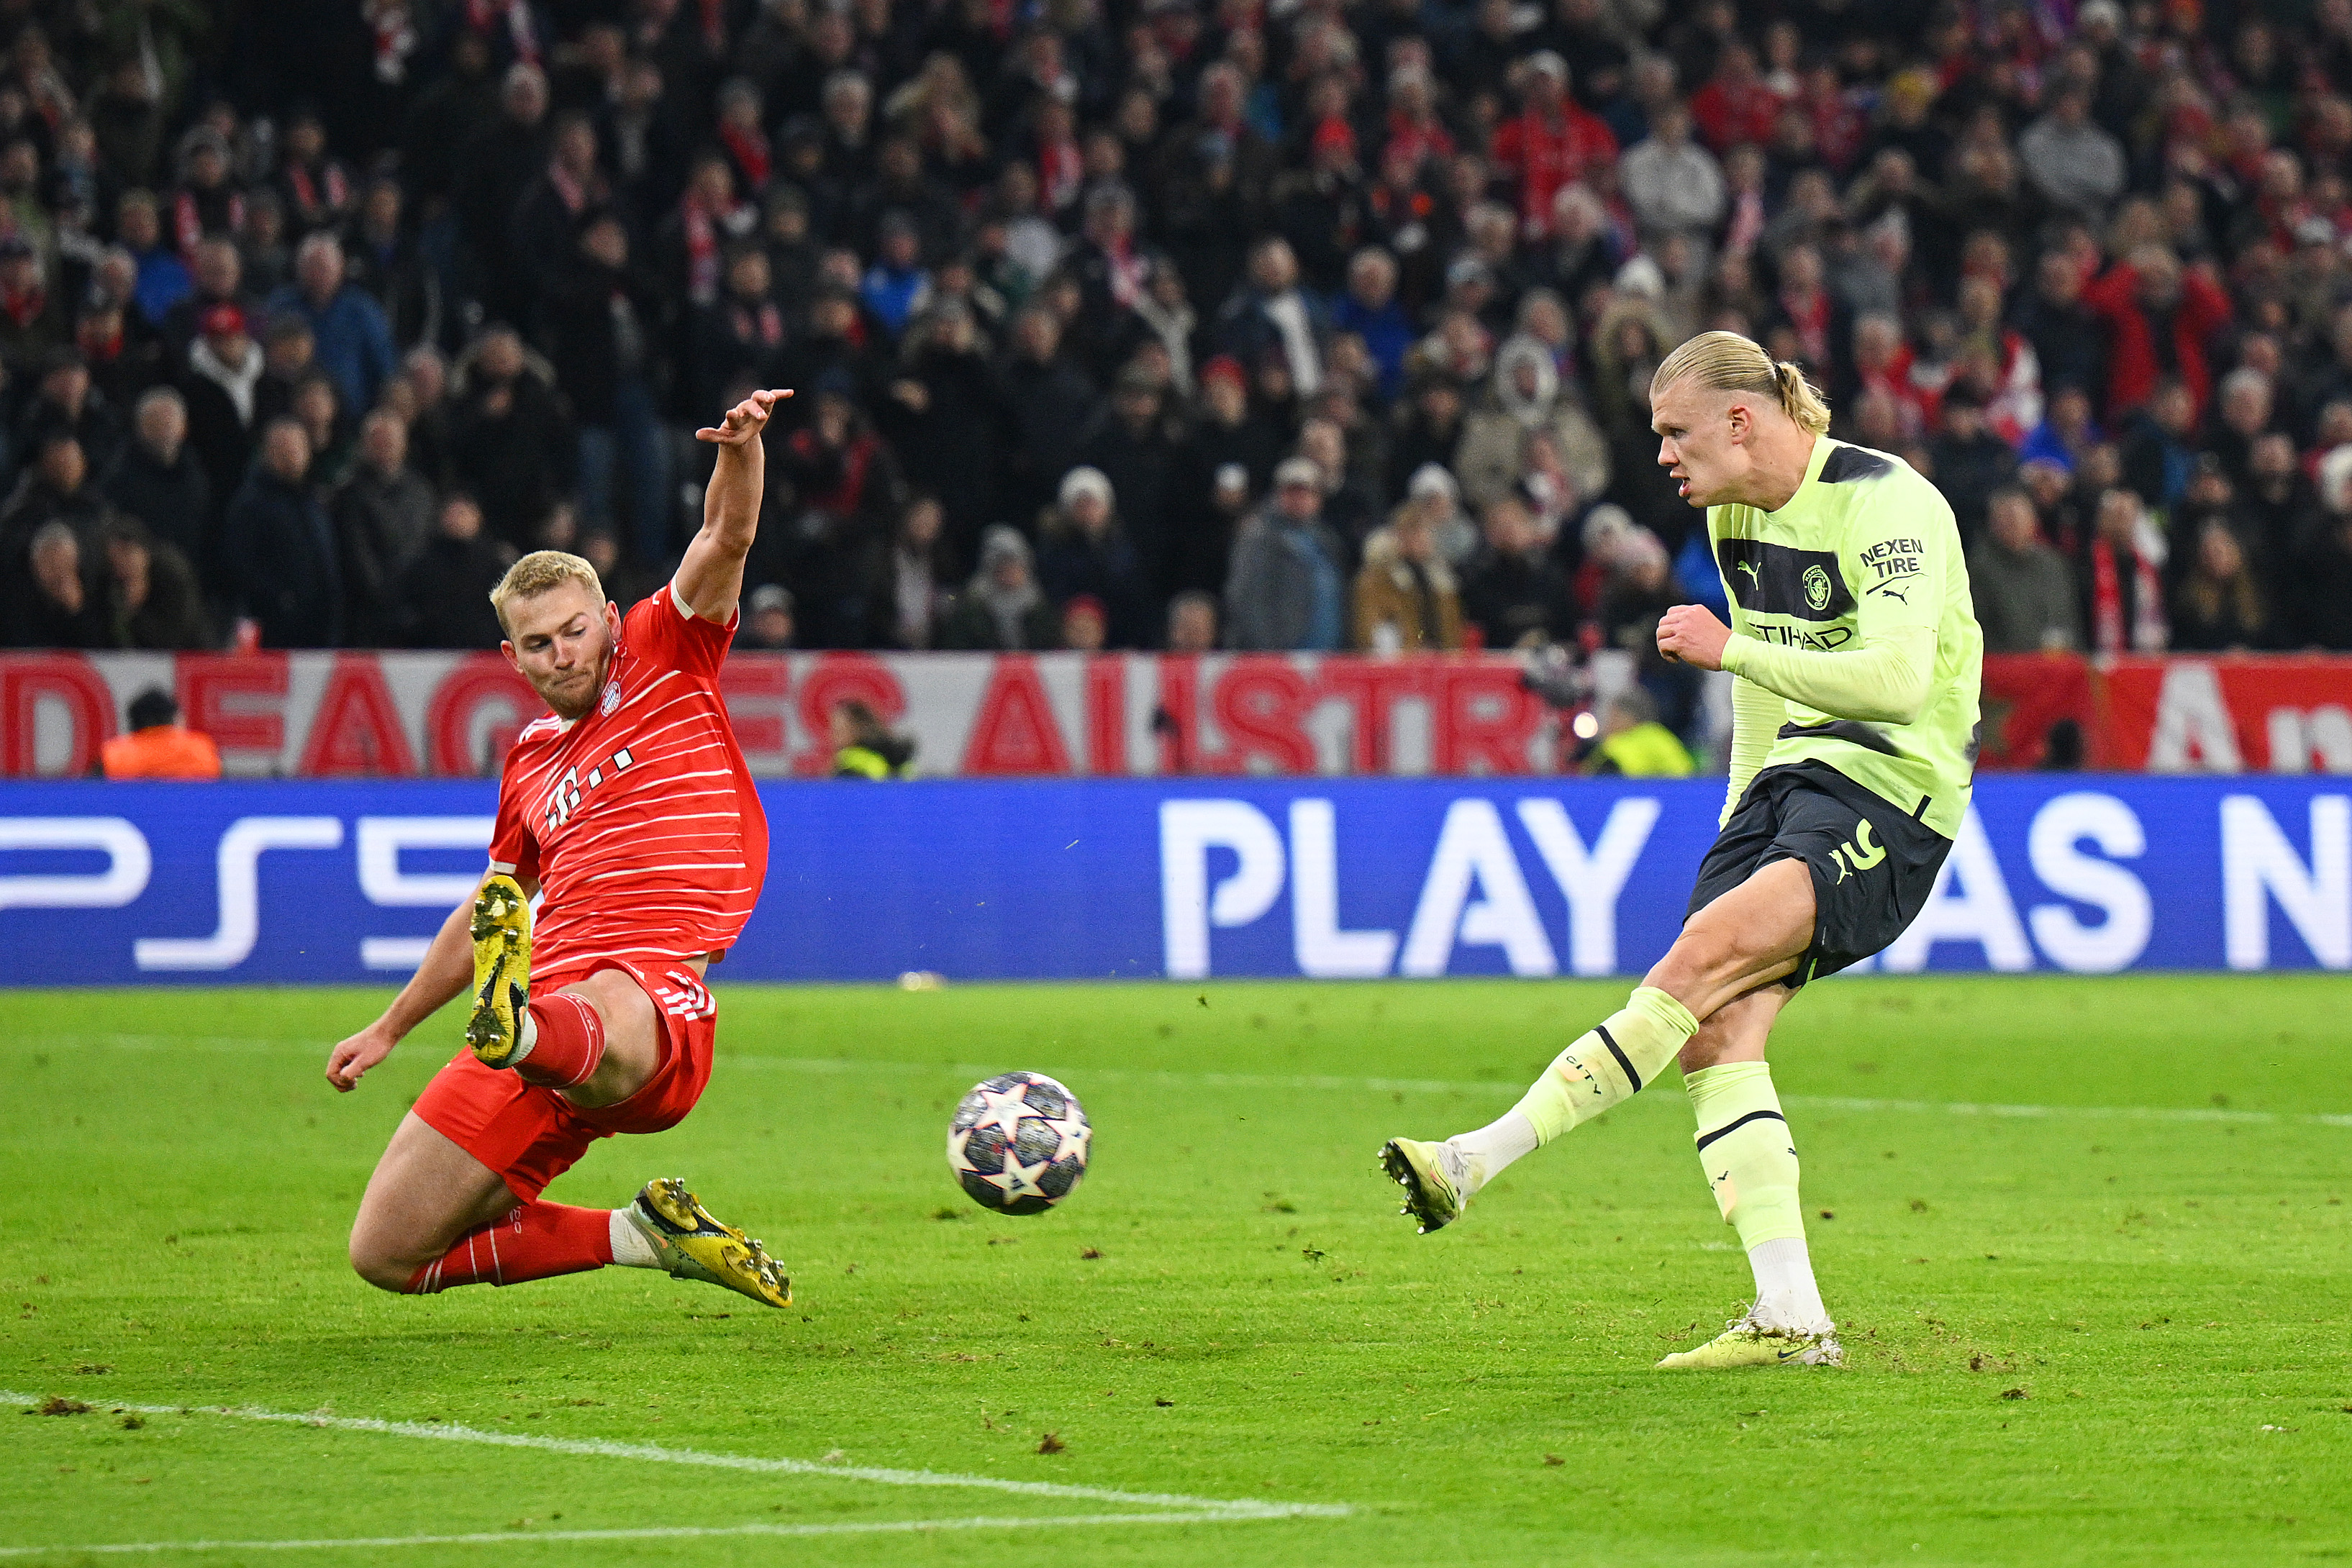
530	1135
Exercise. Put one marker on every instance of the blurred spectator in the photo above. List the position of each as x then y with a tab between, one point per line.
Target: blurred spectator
2026	599
1674	185
1632	743
912	600
1525	398
1286	589
49	600
2323	582
1134	448
1512	591
1406	599
442	597
55	488
221	385
1552	140
1084	550
1084	624
156	745
1639	587
1052	402
31	319
1270	316
2121	578
351	340
2159	320
2158	451
602	312
510	445
1000	609
152	598
65	401
1970	461
157	479
768	618
865	747
2066	431
2218	606
1193	623
279	559
1369	309
383	517
2077	166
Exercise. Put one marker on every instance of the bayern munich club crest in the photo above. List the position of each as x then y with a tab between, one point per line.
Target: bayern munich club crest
612	697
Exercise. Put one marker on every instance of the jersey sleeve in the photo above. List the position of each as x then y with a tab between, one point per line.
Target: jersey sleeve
1896	554
662	630
514	849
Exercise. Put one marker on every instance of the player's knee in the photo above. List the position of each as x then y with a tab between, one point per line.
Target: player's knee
383	1266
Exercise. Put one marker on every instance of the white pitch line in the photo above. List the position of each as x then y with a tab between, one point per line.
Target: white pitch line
511	1538
598	1448
1321	1083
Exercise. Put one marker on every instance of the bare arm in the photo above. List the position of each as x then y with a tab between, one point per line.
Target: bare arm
710	578
448	969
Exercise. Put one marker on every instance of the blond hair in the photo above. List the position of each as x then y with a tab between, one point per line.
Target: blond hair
1726	361
539	570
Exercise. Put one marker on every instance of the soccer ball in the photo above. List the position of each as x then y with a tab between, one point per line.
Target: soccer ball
1019	1143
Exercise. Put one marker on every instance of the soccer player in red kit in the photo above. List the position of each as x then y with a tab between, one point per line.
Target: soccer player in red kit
628	806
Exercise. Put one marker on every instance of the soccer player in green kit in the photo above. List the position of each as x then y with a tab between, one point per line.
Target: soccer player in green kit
1856	657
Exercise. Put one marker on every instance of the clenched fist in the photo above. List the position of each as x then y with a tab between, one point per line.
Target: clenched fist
1691	634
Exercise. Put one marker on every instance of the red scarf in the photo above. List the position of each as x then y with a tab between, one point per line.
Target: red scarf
481	16
2108	632
701	226
1061	170
24	308
750	149
188	224
1812	321
305	190
766	324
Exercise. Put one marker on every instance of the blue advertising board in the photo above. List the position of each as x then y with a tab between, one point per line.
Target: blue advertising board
312	882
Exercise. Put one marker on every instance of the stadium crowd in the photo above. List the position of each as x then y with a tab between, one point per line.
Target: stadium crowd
1257	324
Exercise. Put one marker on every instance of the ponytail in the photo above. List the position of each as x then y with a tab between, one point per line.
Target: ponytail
1726	361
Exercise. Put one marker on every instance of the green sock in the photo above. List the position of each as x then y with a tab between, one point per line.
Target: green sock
1743	1143
1609	1064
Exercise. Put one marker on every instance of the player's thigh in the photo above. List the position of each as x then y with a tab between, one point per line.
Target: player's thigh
425	1193
1737	1030
632	1047
1756	932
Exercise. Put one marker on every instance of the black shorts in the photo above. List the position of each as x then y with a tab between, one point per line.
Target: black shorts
1867	887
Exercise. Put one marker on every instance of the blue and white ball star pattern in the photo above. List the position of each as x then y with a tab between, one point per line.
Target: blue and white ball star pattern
1019	1143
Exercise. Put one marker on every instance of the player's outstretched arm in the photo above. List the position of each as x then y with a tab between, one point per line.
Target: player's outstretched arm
710	578
448	969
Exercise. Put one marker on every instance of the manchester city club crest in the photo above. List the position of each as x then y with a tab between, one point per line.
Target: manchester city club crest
1817	590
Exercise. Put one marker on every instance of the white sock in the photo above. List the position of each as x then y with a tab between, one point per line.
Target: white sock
526	1036
630	1247
1786	1296
1483	1155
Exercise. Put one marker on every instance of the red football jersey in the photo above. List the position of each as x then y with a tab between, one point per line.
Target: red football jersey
640	818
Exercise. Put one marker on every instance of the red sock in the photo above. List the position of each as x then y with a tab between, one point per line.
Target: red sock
569	1044
534	1241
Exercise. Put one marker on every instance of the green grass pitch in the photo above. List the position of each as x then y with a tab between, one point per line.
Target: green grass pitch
2090	1252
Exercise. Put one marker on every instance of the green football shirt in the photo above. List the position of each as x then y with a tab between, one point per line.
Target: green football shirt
1865	551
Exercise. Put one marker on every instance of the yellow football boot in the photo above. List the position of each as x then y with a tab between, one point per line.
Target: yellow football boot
1431	1194
695	1244
501	972
1743	1343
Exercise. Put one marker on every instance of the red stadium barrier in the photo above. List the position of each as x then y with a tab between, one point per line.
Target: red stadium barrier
328	715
